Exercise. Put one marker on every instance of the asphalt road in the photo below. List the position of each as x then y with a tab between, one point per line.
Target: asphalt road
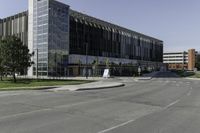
165	104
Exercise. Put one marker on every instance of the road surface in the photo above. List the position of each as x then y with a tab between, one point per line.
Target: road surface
165	104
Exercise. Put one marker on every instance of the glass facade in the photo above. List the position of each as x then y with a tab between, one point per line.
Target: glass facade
58	39
108	40
40	37
50	38
92	39
61	37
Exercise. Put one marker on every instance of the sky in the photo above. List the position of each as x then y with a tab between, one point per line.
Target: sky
176	22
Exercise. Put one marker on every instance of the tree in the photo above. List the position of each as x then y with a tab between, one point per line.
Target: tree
107	62
1	63
95	66
198	61
16	55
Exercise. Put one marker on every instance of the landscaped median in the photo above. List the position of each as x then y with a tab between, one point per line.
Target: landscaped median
196	75
183	73
37	84
89	86
188	74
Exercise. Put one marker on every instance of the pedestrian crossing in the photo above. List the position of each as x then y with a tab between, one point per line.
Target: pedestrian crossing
171	81
174	82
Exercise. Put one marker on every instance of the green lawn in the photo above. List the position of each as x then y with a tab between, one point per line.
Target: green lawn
188	74
196	75
24	84
182	73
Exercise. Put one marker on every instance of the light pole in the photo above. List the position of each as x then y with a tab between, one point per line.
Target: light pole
86	39
86	52
37	63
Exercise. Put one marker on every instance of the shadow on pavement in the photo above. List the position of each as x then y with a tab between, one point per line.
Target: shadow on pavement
166	75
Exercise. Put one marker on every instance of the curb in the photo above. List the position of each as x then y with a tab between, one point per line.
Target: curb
100	88
193	78
51	88
144	78
28	88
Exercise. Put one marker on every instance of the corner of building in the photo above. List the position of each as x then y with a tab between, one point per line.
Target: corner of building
30	33
1	28
191	59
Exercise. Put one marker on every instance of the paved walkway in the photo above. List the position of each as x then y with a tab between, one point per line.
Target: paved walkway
89	86
193	78
101	83
67	78
152	74
147	76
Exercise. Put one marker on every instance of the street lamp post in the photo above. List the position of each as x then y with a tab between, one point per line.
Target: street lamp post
37	63
86	51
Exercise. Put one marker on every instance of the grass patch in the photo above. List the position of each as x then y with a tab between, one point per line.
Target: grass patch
196	75
34	83
182	73
179	72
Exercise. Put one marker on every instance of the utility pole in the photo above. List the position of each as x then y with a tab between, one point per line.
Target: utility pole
37	63
86	51
86	40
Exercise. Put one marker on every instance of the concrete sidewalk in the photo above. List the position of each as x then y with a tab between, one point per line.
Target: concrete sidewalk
148	76
193	78
142	78
152	74
89	86
65	78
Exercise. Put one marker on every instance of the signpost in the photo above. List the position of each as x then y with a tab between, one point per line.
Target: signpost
106	73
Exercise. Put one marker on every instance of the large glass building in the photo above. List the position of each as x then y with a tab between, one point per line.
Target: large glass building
70	43
50	38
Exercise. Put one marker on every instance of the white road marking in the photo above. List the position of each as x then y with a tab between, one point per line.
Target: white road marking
177	85
190	91
188	83
125	123
48	109
79	103
5	95
24	113
171	104
117	126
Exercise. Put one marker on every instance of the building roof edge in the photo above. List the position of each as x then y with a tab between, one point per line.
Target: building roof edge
23	12
115	25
